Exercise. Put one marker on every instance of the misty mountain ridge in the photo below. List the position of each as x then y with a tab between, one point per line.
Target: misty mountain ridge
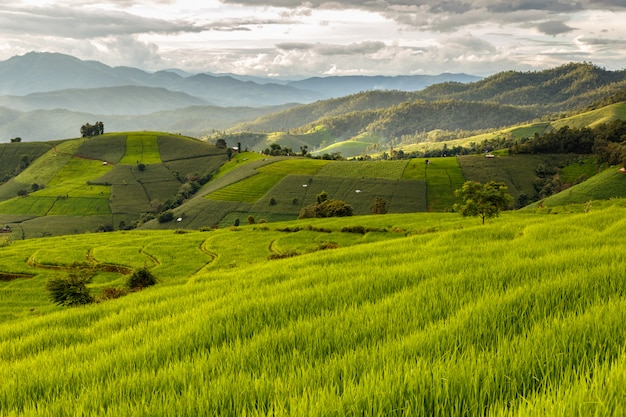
38	72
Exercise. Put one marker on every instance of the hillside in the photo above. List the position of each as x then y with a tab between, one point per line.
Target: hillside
441	112
106	182
426	314
607	185
118	181
565	87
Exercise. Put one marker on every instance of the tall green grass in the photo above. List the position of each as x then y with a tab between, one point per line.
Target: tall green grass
141	148
524	315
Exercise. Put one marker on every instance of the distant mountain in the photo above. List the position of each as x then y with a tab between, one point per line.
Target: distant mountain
47	72
342	86
127	100
196	121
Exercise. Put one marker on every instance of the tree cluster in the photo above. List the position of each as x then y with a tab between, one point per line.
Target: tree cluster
89	130
606	141
276	150
326	208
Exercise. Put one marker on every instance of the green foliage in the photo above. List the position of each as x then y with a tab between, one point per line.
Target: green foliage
88	130
482	200
140	279
166	216
71	290
326	208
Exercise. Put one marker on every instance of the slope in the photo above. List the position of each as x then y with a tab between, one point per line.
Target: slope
105	182
520	316
607	185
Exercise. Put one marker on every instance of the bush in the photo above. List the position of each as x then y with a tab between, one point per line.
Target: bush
166	216
71	290
111	293
140	279
327	208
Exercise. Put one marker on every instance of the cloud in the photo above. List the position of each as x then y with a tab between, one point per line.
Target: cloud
554	27
78	22
448	15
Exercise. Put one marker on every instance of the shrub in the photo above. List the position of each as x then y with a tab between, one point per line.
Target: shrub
111	293
71	290
140	279
251	220
354	229
287	254
166	216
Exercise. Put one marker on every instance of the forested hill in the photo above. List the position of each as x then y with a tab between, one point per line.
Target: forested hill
566	87
560	89
409	118
299	116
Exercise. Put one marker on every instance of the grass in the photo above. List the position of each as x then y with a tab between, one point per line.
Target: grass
609	184
407	321
141	148
516	171
252	188
391	170
443	177
109	147
593	118
44	168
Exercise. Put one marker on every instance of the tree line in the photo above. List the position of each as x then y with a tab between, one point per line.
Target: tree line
607	142
88	130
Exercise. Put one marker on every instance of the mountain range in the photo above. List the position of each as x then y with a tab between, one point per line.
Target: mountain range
61	79
46	96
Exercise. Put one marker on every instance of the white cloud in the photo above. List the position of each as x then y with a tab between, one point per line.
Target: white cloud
313	37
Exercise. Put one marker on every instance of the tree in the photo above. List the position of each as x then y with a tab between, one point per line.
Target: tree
88	130
326	208
482	200
221	143
16	140
71	290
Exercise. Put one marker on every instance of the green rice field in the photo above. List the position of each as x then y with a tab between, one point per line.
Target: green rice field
141	149
427	314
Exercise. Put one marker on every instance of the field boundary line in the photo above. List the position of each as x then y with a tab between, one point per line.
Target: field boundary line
213	255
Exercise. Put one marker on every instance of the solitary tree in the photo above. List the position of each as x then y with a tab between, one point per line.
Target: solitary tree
482	200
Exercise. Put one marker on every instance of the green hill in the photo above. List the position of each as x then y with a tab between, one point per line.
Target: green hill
607	185
146	172
424	314
105	182
394	118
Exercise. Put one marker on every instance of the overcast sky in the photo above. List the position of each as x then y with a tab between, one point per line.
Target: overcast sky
318	37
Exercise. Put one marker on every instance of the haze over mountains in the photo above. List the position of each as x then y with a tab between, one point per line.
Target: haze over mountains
69	92
63	76
47	96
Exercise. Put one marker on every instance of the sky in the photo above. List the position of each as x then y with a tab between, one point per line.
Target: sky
295	39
